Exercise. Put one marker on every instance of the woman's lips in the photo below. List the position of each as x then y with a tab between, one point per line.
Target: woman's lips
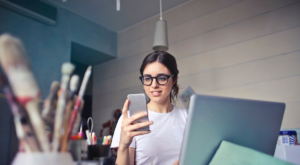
155	93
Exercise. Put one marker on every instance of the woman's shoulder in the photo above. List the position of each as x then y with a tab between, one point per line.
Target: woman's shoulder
180	110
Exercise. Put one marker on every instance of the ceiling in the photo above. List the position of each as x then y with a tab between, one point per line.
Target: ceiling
104	12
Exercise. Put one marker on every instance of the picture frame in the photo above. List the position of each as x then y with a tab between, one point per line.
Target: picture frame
185	96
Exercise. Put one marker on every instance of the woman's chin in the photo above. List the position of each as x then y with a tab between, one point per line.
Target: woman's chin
157	99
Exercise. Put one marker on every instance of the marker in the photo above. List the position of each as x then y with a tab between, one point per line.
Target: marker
104	138
109	142
94	137
88	139
80	133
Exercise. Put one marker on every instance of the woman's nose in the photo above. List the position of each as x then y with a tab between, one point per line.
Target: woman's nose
154	83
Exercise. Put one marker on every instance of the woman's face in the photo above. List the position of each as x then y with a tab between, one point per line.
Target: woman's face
157	93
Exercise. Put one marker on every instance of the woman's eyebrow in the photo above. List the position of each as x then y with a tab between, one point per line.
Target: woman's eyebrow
162	74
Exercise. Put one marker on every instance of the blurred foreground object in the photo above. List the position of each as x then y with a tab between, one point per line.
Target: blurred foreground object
14	62
59	113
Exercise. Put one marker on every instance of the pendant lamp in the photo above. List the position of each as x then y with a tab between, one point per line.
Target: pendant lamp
160	42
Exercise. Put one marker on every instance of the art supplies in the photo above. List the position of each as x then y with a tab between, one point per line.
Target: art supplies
88	139
76	116
67	69
109	139
23	98
94	138
48	113
67	118
24	129
90	120
104	139
80	133
73	87
17	69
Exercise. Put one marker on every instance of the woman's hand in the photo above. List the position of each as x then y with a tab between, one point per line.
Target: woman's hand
127	128
176	163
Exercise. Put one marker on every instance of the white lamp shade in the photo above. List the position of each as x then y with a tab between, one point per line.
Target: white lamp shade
160	42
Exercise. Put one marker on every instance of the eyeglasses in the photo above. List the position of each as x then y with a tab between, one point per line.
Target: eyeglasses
161	79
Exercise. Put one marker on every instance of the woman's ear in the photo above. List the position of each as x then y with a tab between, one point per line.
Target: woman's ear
175	80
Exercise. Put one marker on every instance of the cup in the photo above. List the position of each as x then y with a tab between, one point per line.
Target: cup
107	160
288	137
97	151
44	158
78	149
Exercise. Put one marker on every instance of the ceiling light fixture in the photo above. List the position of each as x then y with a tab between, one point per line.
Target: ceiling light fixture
160	42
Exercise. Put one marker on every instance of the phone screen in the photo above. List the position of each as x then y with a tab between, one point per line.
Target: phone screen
138	104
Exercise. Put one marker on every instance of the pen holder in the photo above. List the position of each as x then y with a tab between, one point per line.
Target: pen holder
78	149
39	158
97	151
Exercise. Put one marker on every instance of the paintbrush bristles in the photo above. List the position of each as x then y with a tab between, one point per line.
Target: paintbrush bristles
67	68
74	83
16	66
11	51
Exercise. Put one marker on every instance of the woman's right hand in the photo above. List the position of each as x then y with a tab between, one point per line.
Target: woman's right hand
127	128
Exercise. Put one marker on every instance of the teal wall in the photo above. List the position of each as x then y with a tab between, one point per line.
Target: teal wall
48	47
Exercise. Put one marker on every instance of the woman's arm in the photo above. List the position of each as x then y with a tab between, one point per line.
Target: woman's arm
125	153
125	156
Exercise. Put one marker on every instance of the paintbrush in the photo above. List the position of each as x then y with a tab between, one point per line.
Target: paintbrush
79	101
66	70
73	88
48	113
16	66
24	130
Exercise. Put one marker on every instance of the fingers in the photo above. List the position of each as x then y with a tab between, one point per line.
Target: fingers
136	116
139	125
125	108
136	133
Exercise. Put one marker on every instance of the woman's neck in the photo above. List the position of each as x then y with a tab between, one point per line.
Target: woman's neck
162	107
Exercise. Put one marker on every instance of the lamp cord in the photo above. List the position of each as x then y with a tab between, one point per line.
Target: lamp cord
160	12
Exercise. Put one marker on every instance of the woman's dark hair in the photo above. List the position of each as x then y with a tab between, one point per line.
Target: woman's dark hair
168	61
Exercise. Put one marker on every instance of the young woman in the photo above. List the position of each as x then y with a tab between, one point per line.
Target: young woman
162	144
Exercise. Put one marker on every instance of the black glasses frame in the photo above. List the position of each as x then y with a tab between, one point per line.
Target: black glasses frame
168	76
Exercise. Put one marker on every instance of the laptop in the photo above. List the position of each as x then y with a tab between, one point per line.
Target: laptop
211	119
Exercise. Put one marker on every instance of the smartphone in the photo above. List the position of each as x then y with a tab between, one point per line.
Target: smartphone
138	104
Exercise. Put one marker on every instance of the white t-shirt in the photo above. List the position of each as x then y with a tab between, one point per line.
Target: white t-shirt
163	144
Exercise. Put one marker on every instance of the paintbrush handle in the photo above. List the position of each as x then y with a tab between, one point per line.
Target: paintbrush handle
38	125
23	128
74	116
68	114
